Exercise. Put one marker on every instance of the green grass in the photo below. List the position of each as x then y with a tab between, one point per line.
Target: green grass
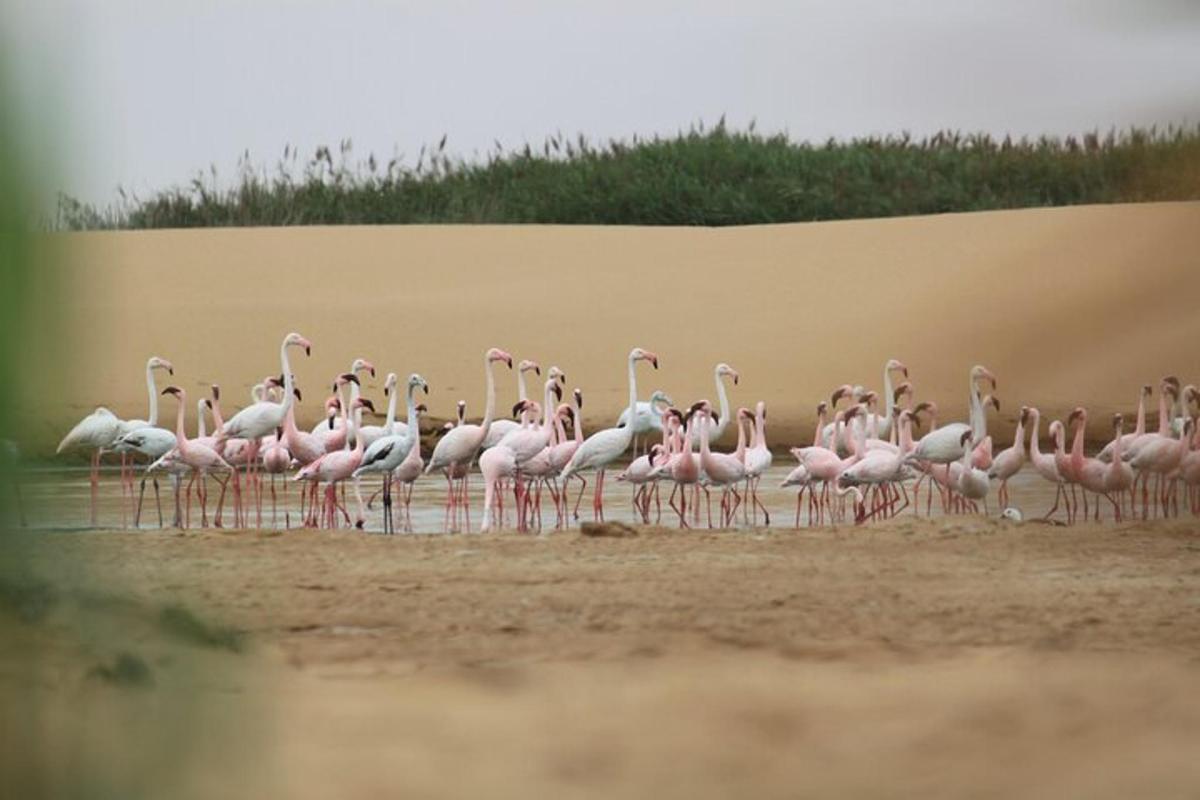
701	177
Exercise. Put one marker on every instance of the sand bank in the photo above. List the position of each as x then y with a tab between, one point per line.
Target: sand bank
1066	306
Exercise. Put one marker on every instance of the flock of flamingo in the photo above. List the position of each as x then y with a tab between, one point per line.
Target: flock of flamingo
860	465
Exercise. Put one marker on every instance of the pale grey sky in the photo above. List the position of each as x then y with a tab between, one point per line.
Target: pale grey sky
145	93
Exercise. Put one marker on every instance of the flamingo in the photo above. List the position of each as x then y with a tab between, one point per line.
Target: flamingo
562	453
881	469
944	445
602	448
459	446
1044	463
1010	460
338	466
681	464
1090	473
388	452
199	457
758	460
1118	478
723	469
843	447
1161	457
969	481
262	418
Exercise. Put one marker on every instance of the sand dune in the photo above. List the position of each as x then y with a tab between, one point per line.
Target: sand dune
1066	305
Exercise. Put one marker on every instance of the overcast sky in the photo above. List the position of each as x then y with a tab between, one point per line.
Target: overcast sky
144	94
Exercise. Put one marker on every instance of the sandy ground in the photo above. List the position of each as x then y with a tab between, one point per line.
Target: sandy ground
1067	306
946	658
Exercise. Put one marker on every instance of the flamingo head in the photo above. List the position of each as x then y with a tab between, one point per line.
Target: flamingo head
565	412
822	407
902	390
529	366
552	385
869	399
1118	423
520	407
1147	390
296	392
724	369
1172	380
362	365
1191	394
745	413
446	428
578	395
991	400
981	373
761	408
1078	413
896	364
638	354
461	408
344	378
416	380
216	393
840	392
362	402
208	403
389	384
851	413
660	397
965	438
909	417
160	363
554	373
175	390
496	354
296	340
926	405
1056	430
1024	414
420	409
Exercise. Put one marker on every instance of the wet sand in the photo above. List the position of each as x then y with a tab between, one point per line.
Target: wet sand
1065	305
944	657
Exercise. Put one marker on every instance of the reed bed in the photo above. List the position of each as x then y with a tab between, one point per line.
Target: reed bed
715	176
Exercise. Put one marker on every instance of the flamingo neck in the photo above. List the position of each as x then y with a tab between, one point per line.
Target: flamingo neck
412	432
978	416
180	434
152	390
1077	442
820	429
288	393
201	431
889	405
389	427
632	399
1033	434
218	417
1116	454
490	407
740	450
723	399
1141	415
1164	421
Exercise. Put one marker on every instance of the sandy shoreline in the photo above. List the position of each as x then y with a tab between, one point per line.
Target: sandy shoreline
1066	305
950	657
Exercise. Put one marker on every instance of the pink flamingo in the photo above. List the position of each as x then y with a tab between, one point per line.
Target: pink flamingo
201	458
1160	457
1010	460
723	469
1118	478
338	466
459	446
1044	463
758	461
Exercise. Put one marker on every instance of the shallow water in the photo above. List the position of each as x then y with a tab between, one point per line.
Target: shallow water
58	499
